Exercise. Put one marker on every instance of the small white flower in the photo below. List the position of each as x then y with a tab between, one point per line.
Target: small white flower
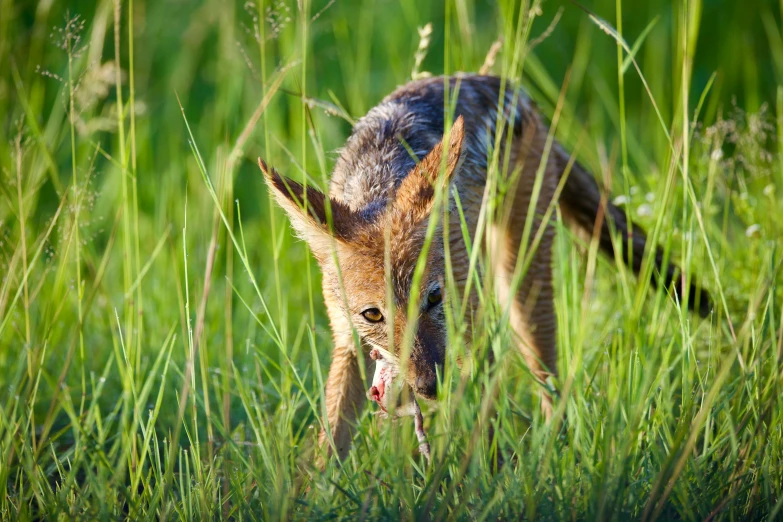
620	200
716	155
644	210
753	230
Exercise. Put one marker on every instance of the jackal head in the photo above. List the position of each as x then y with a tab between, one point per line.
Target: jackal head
369	260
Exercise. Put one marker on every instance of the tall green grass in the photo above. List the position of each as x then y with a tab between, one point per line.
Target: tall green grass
163	344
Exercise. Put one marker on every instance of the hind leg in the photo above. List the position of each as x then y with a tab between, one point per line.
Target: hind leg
523	259
530	307
533	319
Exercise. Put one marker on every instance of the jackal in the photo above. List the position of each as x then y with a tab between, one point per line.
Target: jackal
370	231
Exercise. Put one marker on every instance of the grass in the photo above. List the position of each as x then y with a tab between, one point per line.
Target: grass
163	343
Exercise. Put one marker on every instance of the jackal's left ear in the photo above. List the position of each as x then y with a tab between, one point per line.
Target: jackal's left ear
417	191
309	210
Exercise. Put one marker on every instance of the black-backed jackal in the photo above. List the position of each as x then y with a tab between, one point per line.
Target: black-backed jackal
369	232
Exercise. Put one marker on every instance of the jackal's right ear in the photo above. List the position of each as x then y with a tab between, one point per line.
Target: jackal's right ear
417	190
308	210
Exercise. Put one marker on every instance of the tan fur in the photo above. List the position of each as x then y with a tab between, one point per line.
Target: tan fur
380	193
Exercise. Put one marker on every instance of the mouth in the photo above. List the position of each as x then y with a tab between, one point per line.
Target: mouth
427	396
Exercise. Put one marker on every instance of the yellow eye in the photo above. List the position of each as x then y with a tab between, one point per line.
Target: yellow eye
435	296
373	315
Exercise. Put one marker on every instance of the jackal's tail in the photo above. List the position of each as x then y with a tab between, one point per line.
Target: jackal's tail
583	207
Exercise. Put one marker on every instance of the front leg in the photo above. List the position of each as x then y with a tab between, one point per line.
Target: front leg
345	398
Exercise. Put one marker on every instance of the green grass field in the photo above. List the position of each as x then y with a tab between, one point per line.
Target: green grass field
163	341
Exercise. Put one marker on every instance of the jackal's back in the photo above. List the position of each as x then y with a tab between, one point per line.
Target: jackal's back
378	155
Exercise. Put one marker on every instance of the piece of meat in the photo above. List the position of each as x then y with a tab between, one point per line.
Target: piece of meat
385	373
380	391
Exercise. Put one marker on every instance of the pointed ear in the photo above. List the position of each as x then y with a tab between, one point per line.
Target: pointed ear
417	191
308	208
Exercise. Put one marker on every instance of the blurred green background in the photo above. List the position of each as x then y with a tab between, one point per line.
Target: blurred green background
123	270
360	51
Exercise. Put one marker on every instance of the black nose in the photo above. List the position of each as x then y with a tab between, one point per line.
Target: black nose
427	386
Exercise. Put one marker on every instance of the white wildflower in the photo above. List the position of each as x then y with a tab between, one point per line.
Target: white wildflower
753	231
644	210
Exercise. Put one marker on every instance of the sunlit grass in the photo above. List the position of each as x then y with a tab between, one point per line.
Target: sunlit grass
163	344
